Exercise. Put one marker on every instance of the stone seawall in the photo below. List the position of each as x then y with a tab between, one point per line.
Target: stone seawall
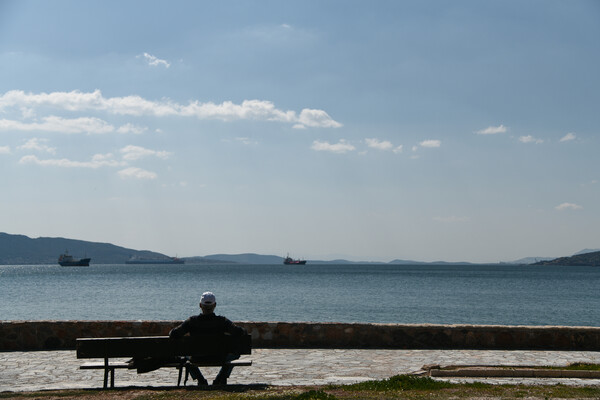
50	335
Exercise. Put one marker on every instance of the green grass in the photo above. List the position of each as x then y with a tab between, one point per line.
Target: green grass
399	382
583	367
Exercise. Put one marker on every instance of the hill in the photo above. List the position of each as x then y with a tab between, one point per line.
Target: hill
23	250
246	258
586	259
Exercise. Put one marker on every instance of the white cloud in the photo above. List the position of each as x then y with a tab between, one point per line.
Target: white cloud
58	124
4	149
138	106
98	160
398	149
136	173
38	145
567	137
132	153
341	147
530	139
430	143
131	128
568	206
379	144
317	119
492	130
155	61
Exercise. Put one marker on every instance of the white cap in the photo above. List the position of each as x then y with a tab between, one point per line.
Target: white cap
208	299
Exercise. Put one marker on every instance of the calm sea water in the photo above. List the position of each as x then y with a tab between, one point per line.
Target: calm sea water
474	294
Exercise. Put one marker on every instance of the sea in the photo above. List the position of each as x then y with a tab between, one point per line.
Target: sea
381	293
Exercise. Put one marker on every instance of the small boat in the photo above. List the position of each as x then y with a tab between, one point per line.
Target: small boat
67	260
169	260
290	261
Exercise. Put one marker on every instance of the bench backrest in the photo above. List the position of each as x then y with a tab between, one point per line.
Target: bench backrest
163	346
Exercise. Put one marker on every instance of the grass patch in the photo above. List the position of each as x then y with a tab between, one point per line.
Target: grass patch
583	367
400	382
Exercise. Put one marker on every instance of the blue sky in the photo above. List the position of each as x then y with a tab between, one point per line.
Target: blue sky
424	130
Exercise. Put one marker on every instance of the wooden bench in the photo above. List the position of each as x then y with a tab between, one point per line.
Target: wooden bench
176	351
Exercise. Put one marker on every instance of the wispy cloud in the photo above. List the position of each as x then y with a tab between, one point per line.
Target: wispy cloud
155	61
379	144
131	128
4	149
98	160
136	173
132	153
568	206
37	144
340	147
59	124
430	143
530	139
138	106
569	136
492	130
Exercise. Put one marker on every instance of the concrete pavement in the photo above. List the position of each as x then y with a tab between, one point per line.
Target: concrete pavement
42	370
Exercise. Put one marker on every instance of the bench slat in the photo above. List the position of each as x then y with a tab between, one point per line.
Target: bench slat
98	365
163	346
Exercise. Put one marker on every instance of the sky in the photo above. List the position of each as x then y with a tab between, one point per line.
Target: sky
414	130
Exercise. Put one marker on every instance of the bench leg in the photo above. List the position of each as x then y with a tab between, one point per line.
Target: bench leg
106	368
105	378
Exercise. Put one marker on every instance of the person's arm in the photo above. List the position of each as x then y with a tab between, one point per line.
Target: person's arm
233	329
180	330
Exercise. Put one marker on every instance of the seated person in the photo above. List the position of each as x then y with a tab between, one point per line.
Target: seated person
208	323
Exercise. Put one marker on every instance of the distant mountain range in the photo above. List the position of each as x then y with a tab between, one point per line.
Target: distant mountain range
23	250
586	259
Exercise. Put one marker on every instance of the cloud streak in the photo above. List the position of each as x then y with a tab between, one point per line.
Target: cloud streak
90	125
530	139
569	136
492	130
137	106
136	173
155	61
431	143
568	206
340	147
132	153
98	160
37	145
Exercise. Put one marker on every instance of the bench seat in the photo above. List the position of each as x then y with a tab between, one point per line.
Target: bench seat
161	346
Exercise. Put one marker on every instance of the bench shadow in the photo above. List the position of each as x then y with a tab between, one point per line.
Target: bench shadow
234	388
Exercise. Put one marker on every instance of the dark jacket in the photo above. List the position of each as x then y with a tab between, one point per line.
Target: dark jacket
206	324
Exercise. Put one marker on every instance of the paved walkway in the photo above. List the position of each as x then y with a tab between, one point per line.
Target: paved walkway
27	371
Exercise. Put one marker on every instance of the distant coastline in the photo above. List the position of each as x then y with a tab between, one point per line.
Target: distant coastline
22	250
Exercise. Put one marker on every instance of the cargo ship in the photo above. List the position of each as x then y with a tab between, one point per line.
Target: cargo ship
67	260
290	261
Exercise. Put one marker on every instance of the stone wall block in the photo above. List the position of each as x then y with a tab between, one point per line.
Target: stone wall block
48	335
